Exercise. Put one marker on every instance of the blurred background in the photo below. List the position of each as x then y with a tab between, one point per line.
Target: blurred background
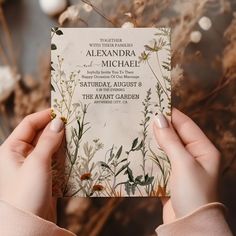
203	82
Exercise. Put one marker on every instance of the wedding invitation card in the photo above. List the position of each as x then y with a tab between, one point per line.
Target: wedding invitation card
106	85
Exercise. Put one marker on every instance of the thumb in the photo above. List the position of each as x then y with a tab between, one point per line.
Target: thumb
169	141
49	141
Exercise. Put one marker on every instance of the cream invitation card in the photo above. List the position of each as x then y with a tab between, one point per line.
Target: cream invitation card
107	84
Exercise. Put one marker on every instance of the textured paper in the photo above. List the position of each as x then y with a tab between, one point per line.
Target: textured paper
107	84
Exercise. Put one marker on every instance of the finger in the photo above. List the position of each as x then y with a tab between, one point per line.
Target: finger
169	141
28	128
22	149
195	141
49	142
36	138
183	125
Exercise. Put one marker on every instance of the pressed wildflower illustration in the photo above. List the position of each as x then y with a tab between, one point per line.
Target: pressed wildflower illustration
108	154
163	86
163	91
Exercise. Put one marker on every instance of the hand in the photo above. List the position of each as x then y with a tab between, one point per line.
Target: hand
195	165
25	164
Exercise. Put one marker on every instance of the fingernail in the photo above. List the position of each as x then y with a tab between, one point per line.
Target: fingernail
56	125
161	121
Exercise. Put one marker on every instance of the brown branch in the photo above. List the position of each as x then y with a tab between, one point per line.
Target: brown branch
8	37
99	12
216	90
224	82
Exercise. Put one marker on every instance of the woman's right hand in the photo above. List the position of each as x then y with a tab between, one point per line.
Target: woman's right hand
195	165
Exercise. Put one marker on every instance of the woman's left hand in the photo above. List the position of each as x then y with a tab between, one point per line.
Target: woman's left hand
25	164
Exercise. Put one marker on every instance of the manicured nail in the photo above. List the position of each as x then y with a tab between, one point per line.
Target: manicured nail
161	121
56	125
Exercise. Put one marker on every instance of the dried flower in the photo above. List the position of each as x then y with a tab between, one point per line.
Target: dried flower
72	13
205	23
7	82
129	14
87	7
85	176
127	25
144	56
97	187
53	114
156	46
64	119
177	76
229	54
195	36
